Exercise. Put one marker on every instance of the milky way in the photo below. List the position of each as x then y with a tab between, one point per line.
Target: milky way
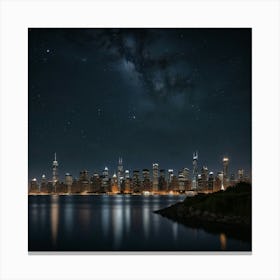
148	95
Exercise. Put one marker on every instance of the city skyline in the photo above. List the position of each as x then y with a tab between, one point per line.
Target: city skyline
114	171
148	95
157	180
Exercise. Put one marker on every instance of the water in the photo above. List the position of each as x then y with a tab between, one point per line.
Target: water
115	223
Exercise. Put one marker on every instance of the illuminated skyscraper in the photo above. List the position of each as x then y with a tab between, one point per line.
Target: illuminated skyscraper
240	174
84	175
105	172
68	182
195	170
220	176
128	182
186	173
84	182
96	182
199	182
155	177
146	180
170	175
136	183
232	179
44	182
55	172
34	186
181	180
120	173
105	180
114	184
204	177
126	174
211	181
162	184
225	168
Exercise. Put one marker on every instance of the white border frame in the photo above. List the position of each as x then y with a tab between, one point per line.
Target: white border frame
17	16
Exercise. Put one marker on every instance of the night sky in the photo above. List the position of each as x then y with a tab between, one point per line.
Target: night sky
148	95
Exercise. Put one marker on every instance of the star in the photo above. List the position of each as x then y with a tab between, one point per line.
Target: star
48	50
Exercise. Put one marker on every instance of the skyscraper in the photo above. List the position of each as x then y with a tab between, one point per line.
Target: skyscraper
195	170
146	180
186	173
162	184
181	181
240	174
136	183
68	182
204	177
105	180
225	168
44	182
34	186
55	172
155	177
211	181
170	175
220	177
120	173
114	184
126	174
199	182
96	182
84	182
84	175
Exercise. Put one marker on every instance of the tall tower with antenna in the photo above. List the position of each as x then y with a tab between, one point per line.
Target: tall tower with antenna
195	170
54	172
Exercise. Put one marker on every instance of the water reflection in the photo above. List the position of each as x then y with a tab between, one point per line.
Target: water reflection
146	220
54	217
175	231
117	225
98	223
43	214
127	213
223	241
84	217
105	216
69	211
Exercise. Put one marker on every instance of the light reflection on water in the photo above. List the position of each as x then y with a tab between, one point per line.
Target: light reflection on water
117	226
54	217
121	222
105	216
223	241
175	231
146	221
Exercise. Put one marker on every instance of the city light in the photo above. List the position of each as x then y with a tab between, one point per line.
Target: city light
146	183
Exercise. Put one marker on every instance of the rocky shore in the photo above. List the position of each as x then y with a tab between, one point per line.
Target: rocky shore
225	211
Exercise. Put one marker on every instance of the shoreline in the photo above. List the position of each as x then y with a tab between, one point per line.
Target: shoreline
210	223
226	212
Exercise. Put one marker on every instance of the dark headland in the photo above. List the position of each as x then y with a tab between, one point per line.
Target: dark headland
228	211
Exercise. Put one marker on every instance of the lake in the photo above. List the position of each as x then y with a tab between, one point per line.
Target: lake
115	223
